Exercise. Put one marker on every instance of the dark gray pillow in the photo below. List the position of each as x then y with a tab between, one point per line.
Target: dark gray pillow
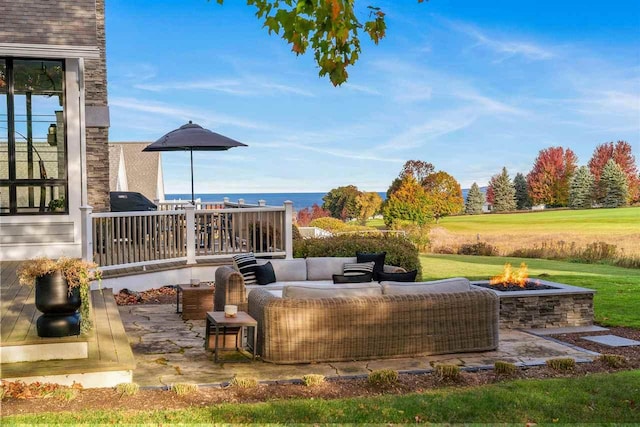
264	274
409	276
358	278
377	258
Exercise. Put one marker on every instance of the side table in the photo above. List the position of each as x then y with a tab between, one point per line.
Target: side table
217	320
196	301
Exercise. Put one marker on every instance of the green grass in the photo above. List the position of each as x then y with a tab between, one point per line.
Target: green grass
616	303
597	398
588	221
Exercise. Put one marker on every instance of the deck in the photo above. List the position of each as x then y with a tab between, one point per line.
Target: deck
108	359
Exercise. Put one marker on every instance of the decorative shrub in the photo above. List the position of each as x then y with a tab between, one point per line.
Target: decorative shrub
613	360
561	364
400	251
128	389
479	249
447	372
311	380
382	377
183	389
335	225
243	382
504	368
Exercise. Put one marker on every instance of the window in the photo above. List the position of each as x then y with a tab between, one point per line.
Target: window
33	154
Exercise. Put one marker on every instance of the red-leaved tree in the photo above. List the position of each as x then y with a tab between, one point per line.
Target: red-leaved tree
306	215
621	153
549	179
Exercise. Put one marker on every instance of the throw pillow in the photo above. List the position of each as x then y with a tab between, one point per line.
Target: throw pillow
245	265
264	274
409	276
355	268
377	258
358	278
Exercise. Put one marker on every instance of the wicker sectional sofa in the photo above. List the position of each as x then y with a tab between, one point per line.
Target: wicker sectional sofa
292	330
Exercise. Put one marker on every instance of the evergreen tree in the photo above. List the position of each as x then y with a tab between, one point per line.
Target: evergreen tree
581	190
614	185
475	200
522	192
504	193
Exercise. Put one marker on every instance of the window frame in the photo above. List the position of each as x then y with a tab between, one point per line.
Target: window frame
12	182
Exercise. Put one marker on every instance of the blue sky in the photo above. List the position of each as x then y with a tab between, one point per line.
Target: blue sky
470	86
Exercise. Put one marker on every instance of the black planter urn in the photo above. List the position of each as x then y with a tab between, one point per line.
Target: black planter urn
60	316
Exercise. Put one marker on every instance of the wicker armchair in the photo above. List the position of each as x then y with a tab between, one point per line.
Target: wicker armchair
229	289
337	329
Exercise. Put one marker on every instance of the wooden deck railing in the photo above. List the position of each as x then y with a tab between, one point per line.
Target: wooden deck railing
122	239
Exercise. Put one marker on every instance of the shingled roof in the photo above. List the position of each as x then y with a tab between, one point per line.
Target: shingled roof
130	169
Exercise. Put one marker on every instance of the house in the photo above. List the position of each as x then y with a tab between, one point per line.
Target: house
54	124
131	169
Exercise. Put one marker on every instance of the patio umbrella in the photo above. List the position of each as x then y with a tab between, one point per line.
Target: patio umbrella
193	137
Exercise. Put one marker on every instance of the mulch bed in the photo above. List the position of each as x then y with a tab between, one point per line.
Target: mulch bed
150	399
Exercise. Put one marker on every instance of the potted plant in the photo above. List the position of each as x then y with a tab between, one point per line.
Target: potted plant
61	287
57	205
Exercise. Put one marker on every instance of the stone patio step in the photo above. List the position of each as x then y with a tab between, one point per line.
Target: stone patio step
567	330
612	340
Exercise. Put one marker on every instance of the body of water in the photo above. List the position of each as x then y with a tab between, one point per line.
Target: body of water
300	200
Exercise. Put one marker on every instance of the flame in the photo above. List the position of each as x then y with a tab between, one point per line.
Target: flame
509	276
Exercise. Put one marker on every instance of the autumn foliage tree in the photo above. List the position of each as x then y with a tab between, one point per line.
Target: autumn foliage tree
369	204
341	202
409	203
306	215
621	153
443	193
549	179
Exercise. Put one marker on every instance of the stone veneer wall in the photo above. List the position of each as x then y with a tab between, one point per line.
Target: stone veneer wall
97	138
546	311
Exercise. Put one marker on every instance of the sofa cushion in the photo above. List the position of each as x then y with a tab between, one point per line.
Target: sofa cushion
323	268
245	264
377	258
356	268
345	290
290	269
264	273
457	284
358	278
407	276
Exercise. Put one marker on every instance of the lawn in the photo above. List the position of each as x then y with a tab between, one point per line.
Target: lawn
597	398
616	303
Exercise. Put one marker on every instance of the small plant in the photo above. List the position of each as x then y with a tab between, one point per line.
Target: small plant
128	389
504	368
57	205
66	394
561	364
382	377
447	372
478	249
312	380
612	360
243	382
184	389
77	272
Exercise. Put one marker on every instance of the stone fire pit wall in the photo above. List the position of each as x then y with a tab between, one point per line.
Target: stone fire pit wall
552	308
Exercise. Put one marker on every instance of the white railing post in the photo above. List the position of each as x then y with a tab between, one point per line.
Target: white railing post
288	229
87	232
190	214
240	202
262	203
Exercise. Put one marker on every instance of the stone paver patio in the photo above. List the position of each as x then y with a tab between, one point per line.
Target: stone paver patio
169	350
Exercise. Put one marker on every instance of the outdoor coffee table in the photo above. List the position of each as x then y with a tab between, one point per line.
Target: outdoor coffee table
217	320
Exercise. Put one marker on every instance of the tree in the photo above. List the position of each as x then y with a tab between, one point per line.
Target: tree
504	194
549	179
614	186
475	200
581	189
408	203
522	192
369	204
329	27
306	215
341	202
417	168
621	153
443	193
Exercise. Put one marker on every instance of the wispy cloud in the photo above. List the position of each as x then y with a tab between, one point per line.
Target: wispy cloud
239	87
505	47
183	114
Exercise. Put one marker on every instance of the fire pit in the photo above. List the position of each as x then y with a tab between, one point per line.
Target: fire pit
528	303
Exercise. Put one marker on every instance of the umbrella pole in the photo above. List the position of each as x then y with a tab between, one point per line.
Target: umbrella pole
193	202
